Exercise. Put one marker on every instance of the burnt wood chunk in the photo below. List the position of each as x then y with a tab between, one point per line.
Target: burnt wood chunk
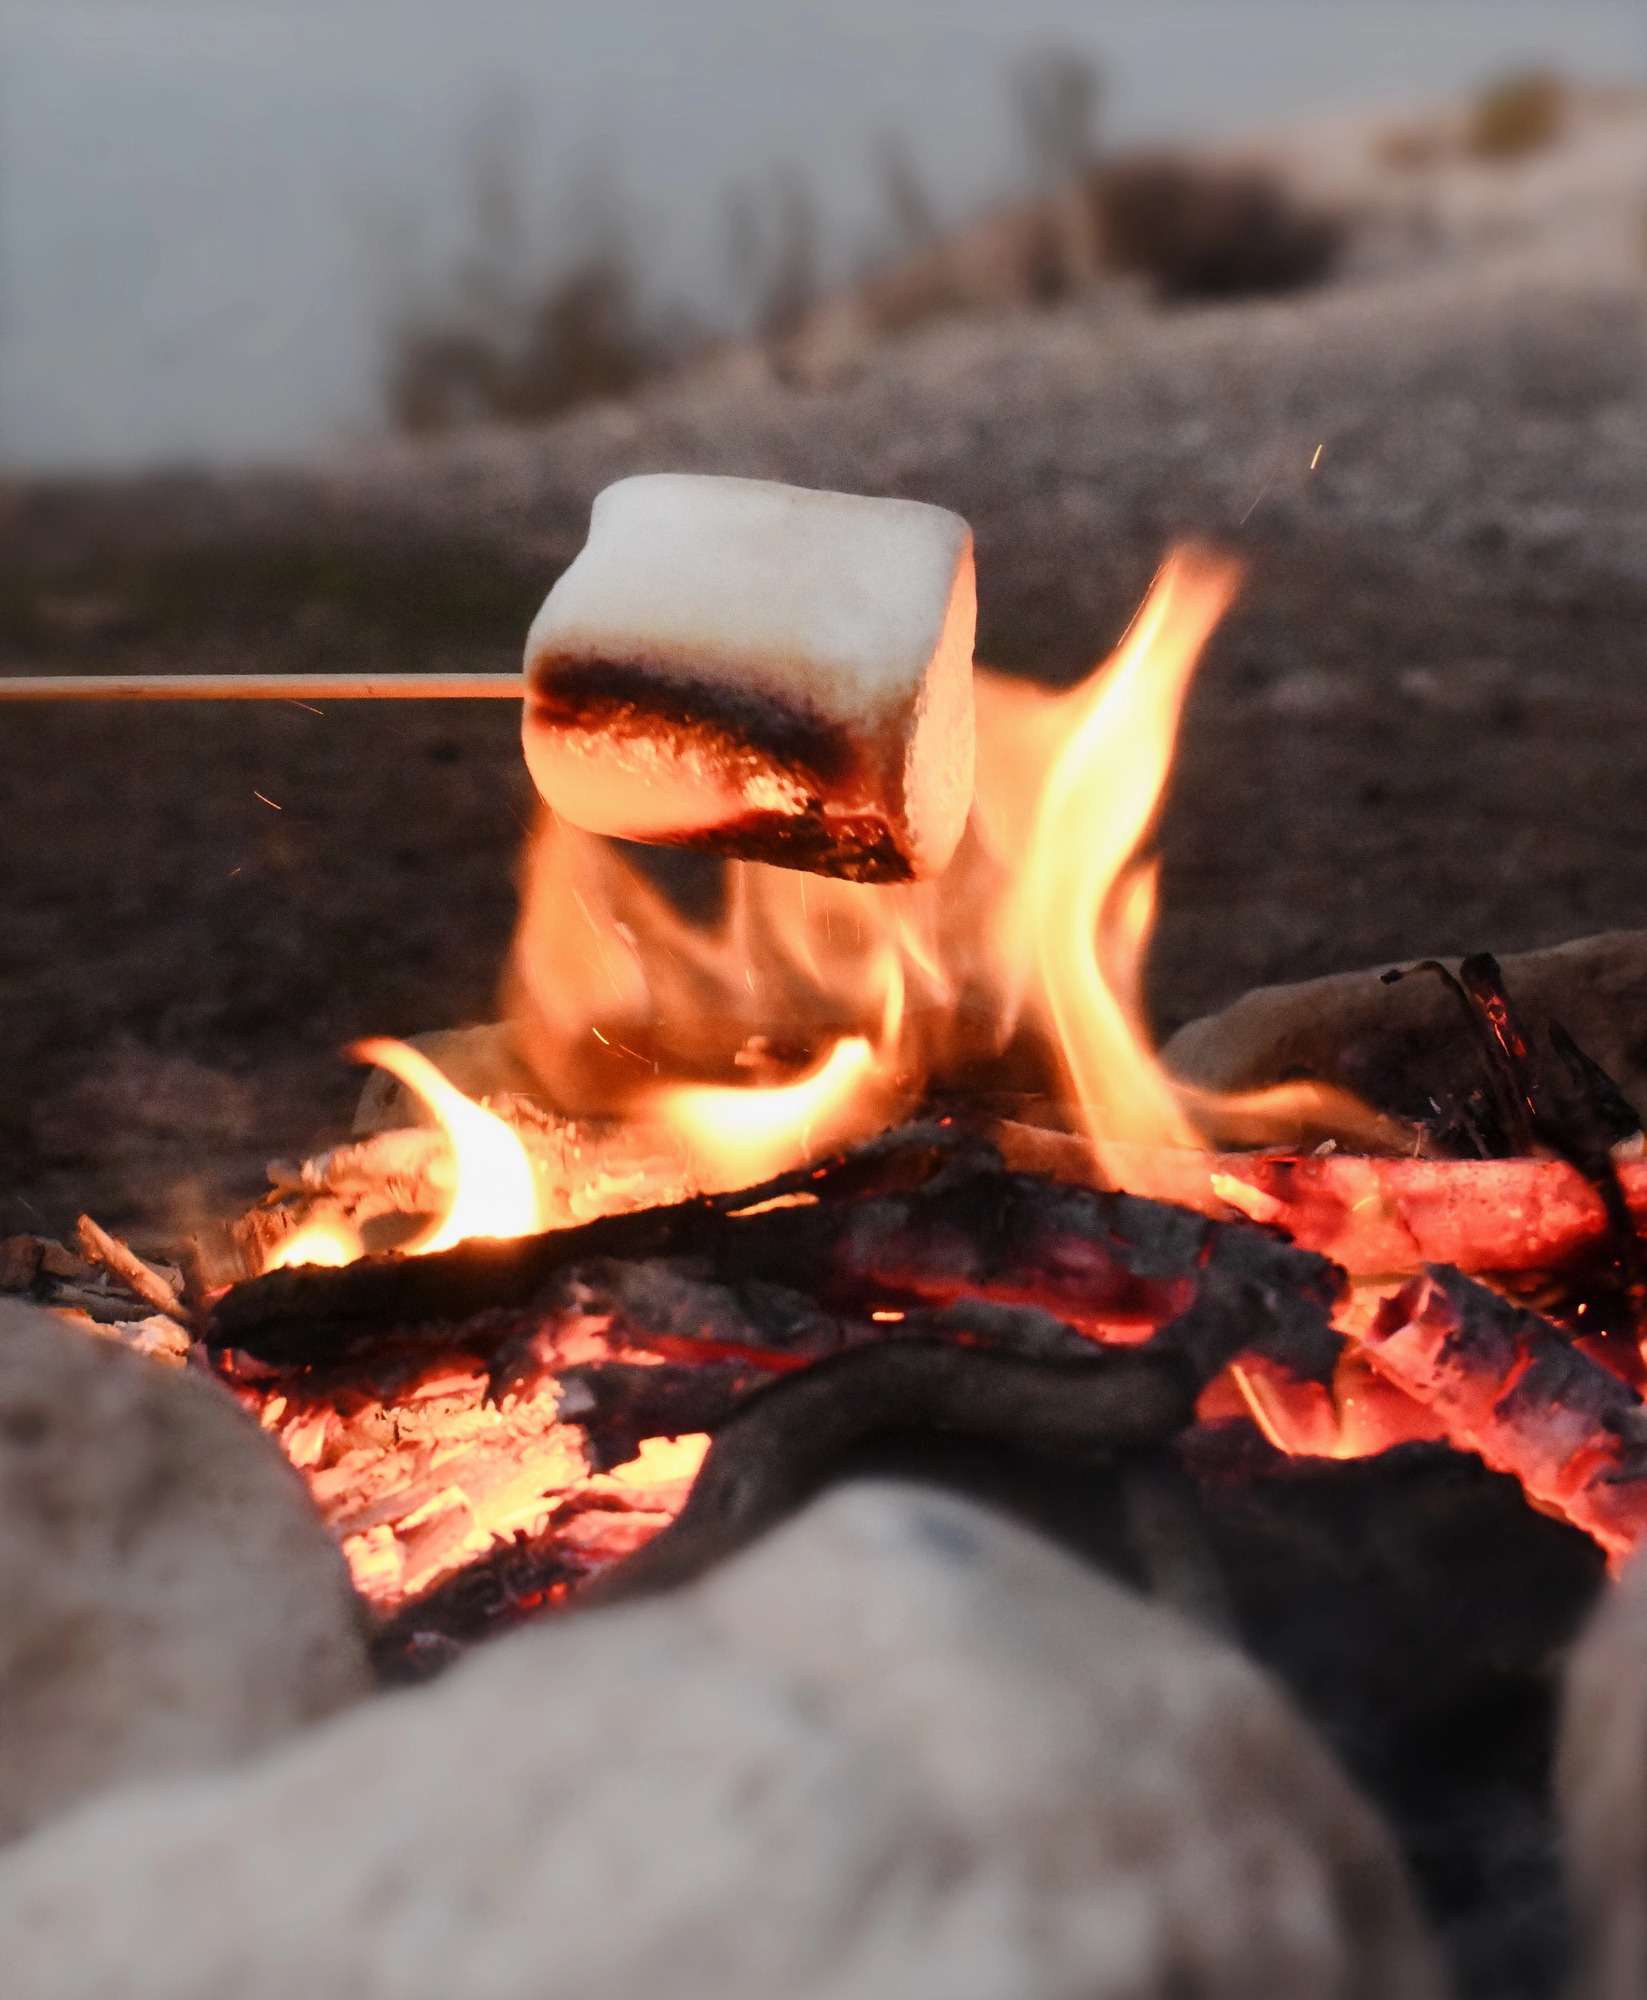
775	1451
618	1404
1375	1217
1510	1385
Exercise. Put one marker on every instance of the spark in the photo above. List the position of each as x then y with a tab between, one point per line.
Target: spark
1316	460
268	802
1247	516
233	872
309	705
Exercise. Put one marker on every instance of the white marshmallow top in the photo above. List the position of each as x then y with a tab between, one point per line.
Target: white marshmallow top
772	582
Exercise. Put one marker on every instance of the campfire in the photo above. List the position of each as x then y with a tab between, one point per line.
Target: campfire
887	1147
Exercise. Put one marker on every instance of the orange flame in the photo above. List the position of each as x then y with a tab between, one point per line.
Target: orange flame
810	1012
495	1190
1070	793
1069	789
736	1137
1021	969
328	1239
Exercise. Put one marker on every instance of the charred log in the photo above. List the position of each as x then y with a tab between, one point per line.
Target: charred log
1375	1217
293	1317
774	1452
1115	1267
618	1404
1548	1097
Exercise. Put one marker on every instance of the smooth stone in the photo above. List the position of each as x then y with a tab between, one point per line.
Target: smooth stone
902	1746
169	1599
1601	1791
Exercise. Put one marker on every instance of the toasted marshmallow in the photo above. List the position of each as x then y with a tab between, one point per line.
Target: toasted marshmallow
761	671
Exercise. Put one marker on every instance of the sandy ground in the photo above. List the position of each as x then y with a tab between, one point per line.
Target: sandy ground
1424	729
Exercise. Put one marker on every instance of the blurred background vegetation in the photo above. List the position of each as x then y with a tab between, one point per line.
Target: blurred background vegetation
237	229
498	337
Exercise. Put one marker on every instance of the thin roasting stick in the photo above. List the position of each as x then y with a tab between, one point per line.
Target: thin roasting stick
262	687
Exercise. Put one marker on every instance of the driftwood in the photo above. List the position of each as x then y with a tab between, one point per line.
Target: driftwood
775	1451
1402	1048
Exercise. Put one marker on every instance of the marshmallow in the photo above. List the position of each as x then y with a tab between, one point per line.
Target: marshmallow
761	671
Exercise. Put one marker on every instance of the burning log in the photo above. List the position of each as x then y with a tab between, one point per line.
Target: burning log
763	671
324	1209
583	1167
1114	1266
1509	1386
1375	1217
772	1454
463	1410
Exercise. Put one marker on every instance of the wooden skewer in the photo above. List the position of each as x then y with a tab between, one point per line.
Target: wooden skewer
262	687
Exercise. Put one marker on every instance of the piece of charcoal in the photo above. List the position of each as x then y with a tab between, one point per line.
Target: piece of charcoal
775	1451
617	1404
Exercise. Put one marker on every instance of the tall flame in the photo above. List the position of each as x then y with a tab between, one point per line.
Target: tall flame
1069	789
495	1191
1090	767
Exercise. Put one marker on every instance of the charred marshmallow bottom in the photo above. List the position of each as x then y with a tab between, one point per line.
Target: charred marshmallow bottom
761	671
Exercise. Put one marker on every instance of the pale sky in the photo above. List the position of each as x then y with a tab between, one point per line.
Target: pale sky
203	207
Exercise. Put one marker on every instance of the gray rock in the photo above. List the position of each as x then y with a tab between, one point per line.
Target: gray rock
900	1747
168	1596
1601	1788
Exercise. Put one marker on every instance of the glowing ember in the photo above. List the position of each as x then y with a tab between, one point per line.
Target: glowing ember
426	1478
